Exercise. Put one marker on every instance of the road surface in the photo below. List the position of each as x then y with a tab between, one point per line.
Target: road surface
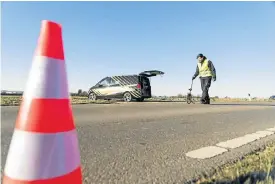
153	142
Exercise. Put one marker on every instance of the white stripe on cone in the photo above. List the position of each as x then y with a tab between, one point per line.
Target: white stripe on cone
34	156
48	79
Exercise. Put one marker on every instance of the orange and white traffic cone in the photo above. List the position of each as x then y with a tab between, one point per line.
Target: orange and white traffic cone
44	148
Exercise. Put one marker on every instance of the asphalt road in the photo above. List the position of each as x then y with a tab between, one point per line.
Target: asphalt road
147	142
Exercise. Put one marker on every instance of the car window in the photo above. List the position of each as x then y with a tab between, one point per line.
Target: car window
105	82
113	82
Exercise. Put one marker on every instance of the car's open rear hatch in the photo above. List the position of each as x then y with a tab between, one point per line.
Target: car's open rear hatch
145	82
151	73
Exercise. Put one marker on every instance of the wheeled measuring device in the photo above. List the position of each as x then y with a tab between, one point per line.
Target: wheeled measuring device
189	97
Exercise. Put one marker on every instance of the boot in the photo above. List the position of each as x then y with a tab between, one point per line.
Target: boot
207	101
203	102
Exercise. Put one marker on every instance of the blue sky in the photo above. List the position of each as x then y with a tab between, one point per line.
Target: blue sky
111	38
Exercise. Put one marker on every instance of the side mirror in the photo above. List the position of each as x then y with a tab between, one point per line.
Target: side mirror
100	85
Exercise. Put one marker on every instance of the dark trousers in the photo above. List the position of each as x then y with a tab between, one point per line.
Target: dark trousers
205	85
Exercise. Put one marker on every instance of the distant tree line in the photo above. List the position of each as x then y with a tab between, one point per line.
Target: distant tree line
81	93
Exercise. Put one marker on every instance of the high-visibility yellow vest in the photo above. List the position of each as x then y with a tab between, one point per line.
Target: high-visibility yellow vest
204	70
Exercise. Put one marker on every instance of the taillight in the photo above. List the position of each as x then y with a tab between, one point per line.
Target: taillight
138	86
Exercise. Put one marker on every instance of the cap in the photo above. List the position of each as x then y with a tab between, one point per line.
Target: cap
199	55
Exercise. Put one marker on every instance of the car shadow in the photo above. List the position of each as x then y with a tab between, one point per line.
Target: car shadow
160	101
163	101
239	104
251	178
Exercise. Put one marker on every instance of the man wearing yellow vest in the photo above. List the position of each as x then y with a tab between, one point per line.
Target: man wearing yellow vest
207	73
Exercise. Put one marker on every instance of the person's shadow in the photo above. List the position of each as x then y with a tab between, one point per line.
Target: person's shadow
248	104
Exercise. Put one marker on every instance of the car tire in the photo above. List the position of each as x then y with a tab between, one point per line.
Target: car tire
140	99
127	97
92	96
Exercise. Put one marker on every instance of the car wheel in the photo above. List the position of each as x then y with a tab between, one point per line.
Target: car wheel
92	96
127	97
140	99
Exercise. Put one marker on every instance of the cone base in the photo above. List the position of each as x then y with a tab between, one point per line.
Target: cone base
74	177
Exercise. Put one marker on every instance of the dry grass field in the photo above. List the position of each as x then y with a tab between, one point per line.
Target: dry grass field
14	100
258	167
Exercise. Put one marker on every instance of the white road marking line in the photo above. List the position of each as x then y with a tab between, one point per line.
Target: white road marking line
237	142
271	129
206	152
265	133
240	141
211	151
260	134
255	136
